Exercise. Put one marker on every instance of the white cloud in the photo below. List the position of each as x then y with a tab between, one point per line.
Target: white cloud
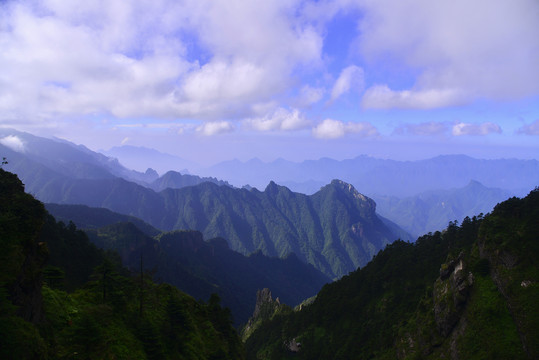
424	129
333	129
215	128
461	50
350	77
382	97
280	119
310	95
164	59
221	81
329	129
13	142
486	128
531	129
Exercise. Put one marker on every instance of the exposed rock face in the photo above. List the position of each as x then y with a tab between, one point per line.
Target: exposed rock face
264	309
264	302
366	202
450	294
293	345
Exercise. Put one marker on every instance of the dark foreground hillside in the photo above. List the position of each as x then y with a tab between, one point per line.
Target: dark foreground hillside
61	297
194	265
469	292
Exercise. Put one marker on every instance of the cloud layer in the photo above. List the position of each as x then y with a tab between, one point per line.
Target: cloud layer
462	51
13	142
486	128
264	66
280	119
334	129
530	129
164	59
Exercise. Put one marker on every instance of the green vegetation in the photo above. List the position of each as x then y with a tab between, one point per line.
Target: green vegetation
336	230
60	297
200	268
469	292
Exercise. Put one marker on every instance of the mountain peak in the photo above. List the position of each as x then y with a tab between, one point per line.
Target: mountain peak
273	187
475	184
349	188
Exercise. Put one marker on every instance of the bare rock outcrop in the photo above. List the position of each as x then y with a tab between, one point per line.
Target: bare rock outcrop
451	291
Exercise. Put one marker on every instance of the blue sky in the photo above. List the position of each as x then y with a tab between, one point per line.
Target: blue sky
211	80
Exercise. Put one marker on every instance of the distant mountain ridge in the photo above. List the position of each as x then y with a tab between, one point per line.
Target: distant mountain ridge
38	161
36	156
140	158
432	210
384	177
176	180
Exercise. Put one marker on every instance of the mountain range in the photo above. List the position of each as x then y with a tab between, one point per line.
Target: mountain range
469	292
466	292
383	177
141	158
336	230
276	221
432	210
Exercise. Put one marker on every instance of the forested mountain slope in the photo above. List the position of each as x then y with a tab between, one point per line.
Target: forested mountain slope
61	297
201	268
86	217
469	292
336	230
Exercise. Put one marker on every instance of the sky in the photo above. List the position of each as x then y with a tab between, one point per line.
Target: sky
213	80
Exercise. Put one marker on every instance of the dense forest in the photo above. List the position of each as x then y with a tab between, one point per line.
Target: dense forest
468	292
197	266
61	297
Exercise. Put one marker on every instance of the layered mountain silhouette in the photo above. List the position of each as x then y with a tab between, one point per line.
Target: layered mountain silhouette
433	210
141	158
198	267
330	229
336	230
382	176
176	180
